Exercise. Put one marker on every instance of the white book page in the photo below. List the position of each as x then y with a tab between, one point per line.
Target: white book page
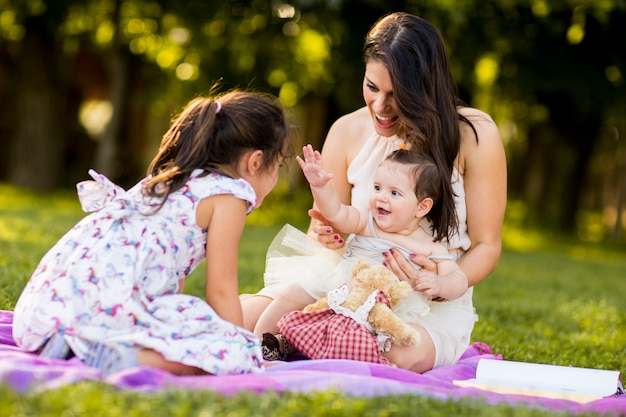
542	377
579	384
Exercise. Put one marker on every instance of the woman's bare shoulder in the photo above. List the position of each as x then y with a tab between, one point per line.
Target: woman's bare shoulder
353	126
347	136
482	122
480	142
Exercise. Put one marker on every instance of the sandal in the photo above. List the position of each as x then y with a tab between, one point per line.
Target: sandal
275	347
110	358
56	348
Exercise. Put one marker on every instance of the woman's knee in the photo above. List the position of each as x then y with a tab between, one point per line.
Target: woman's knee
419	357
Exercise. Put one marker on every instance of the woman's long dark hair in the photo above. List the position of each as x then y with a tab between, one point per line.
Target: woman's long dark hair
413	52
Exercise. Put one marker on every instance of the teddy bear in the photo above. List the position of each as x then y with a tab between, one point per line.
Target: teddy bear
366	280
355	322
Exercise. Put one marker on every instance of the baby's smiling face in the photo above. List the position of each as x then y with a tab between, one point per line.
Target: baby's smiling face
393	202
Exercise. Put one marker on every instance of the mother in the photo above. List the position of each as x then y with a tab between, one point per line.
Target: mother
410	97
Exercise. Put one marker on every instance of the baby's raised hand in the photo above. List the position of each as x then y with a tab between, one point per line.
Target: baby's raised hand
312	167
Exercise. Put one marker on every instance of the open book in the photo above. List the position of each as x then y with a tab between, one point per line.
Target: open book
575	384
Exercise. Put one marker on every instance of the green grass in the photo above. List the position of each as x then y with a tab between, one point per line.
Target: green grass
97	399
551	300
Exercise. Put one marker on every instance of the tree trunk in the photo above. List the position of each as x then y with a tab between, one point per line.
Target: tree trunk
39	138
107	155
535	172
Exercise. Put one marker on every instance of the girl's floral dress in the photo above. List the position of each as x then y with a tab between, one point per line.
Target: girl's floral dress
114	278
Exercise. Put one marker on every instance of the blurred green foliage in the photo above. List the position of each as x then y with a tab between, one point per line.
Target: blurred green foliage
551	73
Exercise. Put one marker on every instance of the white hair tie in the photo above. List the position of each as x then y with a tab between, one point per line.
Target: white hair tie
219	106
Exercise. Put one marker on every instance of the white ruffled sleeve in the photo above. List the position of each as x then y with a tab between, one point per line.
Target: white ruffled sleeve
95	194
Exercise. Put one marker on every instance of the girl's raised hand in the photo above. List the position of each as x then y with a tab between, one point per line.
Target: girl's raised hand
312	167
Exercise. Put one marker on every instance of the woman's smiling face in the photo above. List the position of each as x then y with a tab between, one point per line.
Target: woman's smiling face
378	96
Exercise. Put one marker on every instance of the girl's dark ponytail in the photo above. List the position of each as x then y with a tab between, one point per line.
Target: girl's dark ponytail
213	134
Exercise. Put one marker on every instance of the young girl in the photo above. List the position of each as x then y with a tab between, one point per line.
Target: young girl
110	291
405	192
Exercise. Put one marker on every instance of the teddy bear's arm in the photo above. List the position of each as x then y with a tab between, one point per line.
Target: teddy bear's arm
383	319
320	304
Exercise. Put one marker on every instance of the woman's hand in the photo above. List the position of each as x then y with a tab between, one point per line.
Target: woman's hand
323	233
404	269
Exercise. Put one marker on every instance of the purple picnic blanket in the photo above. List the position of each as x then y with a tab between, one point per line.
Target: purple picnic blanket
27	372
